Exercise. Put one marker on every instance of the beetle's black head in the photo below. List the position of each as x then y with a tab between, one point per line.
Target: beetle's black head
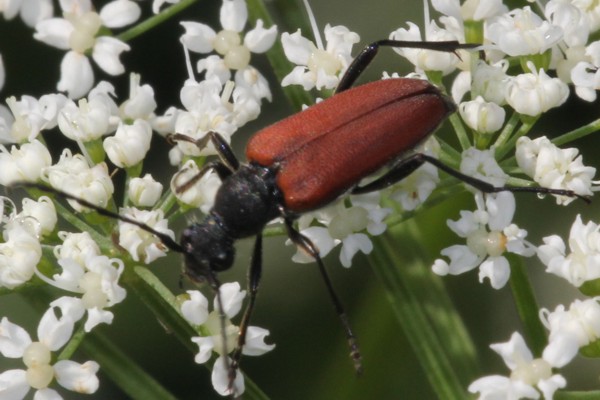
207	249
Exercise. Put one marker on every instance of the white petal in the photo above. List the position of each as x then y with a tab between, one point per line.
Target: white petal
71	307
205	346
352	244
296	47
551	385
220	379
80	378
234	15
259	39
96	317
106	54
561	350
76	75
195	310
321	238
34	11
497	270
197	37
13	339
47	394
514	352
119	13
501	209
54	332
55	32
232	297
255	342
13	384
462	259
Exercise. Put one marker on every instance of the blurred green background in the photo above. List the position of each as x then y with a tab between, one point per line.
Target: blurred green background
311	358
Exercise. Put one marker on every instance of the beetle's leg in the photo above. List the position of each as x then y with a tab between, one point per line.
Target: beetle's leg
365	57
221	169
223	149
215	285
308	246
254	275
406	166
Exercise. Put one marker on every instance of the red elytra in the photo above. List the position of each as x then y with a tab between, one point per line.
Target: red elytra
325	150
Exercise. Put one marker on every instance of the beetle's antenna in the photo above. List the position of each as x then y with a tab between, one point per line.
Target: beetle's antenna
164	238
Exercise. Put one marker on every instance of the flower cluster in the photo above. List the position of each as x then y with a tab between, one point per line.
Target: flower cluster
195	310
520	66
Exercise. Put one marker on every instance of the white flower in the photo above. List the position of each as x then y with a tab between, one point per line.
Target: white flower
585	74
317	65
489	81
53	333
19	254
96	279
528	375
145	191
582	264
343	225
555	168
76	246
202	193
482	116
129	144
234	54
90	118
522	32
77	32
72	174
570	329
536	92
141	103
142	245
427	60
413	190
31	11
23	164
591	10
572	20
208	109
42	211
195	310
489	233
31	116
482	165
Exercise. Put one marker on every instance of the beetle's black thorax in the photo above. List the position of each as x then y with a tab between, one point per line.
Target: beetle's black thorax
247	200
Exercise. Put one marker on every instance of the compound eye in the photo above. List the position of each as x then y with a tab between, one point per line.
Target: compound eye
222	260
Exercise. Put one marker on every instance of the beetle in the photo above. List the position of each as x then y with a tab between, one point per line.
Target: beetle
305	162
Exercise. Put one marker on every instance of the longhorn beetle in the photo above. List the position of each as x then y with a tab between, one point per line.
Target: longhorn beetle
306	161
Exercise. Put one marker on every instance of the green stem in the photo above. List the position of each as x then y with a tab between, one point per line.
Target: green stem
527	306
155	20
511	143
591	395
508	129
460	131
73	344
403	283
578	133
122	370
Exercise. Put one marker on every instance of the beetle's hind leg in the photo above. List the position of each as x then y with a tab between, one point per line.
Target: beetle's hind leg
308	246
406	166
